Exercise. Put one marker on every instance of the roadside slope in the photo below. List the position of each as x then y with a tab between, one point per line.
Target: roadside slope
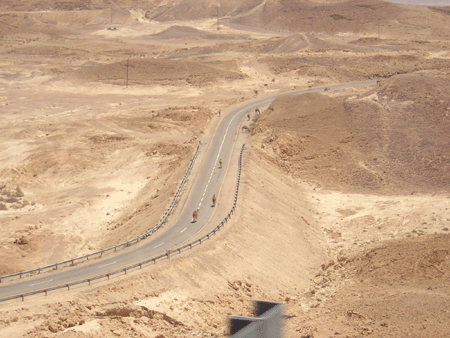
256	256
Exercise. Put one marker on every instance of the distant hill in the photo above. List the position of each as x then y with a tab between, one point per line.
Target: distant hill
180	32
201	9
326	16
356	16
74	5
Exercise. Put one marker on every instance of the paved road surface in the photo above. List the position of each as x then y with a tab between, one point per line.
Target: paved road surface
208	182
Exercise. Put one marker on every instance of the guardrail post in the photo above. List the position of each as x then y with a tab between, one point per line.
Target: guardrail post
22	297
147	234
20	274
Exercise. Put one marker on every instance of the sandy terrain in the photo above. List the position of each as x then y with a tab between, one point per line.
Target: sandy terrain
343	209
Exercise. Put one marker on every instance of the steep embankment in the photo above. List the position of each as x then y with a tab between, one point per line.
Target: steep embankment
255	256
389	139
382	157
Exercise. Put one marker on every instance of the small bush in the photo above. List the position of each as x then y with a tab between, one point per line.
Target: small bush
18	192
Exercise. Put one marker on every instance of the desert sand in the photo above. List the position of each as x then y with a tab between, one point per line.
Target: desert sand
343	208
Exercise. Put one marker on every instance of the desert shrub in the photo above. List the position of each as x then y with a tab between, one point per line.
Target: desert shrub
18	192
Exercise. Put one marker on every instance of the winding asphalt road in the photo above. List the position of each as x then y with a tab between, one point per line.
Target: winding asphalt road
208	182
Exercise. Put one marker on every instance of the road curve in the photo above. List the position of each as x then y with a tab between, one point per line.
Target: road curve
208	182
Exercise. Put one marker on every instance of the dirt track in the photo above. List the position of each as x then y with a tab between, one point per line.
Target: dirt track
352	185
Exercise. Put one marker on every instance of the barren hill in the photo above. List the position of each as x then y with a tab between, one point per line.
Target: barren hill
200	9
77	5
343	203
345	16
184	32
153	71
356	16
391	139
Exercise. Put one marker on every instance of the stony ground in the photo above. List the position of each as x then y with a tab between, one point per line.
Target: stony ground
343	209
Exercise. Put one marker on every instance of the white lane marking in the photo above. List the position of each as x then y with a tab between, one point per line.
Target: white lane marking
47	281
218	154
158	245
263	103
102	266
183	229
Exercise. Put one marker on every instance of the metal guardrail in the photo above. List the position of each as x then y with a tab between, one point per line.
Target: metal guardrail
267	322
115	247
148	261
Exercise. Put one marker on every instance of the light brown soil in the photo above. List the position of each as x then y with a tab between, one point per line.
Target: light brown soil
343	208
392	139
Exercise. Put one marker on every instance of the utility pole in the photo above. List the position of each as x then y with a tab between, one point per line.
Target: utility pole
126	83
378	28
218	16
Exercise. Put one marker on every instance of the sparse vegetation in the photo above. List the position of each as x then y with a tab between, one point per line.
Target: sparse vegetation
343	209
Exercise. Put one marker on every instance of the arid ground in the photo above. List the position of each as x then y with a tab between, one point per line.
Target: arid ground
343	208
